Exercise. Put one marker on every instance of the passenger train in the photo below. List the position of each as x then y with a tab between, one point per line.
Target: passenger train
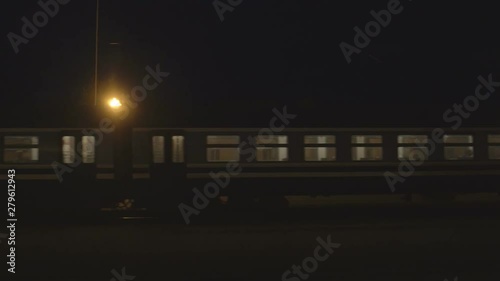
59	168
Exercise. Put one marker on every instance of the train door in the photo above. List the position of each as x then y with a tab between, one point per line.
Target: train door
78	153
168	165
168	153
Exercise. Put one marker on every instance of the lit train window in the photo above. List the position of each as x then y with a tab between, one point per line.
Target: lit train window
412	139
320	153
494	152
277	154
17	154
68	149
413	153
366	139
88	149
458	139
493	138
366	153
20	140
408	149
158	149
20	155
452	151
223	139
177	149
267	139
458	152
223	154
311	139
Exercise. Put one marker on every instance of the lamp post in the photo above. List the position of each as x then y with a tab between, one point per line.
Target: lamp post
122	148
122	141
122	135
96	50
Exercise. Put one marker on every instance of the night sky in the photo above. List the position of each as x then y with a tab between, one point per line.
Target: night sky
265	54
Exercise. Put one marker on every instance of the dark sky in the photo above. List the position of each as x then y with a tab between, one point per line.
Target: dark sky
264	54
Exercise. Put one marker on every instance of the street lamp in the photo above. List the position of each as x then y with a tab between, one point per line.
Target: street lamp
114	103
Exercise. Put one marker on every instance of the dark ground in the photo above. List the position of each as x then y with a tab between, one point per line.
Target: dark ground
382	239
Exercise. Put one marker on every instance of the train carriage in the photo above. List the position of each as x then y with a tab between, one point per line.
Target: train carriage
62	167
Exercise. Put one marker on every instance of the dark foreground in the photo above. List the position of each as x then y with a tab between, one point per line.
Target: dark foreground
386	241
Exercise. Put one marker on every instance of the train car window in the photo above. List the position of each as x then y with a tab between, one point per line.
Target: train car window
68	149
158	149
275	154
366	153
320	154
408	149
23	150
454	151
223	154
88	149
223	139
366	139
458	139
412	139
494	152
20	155
20	140
493	138
178	149
311	139
267	139
459	153
413	153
